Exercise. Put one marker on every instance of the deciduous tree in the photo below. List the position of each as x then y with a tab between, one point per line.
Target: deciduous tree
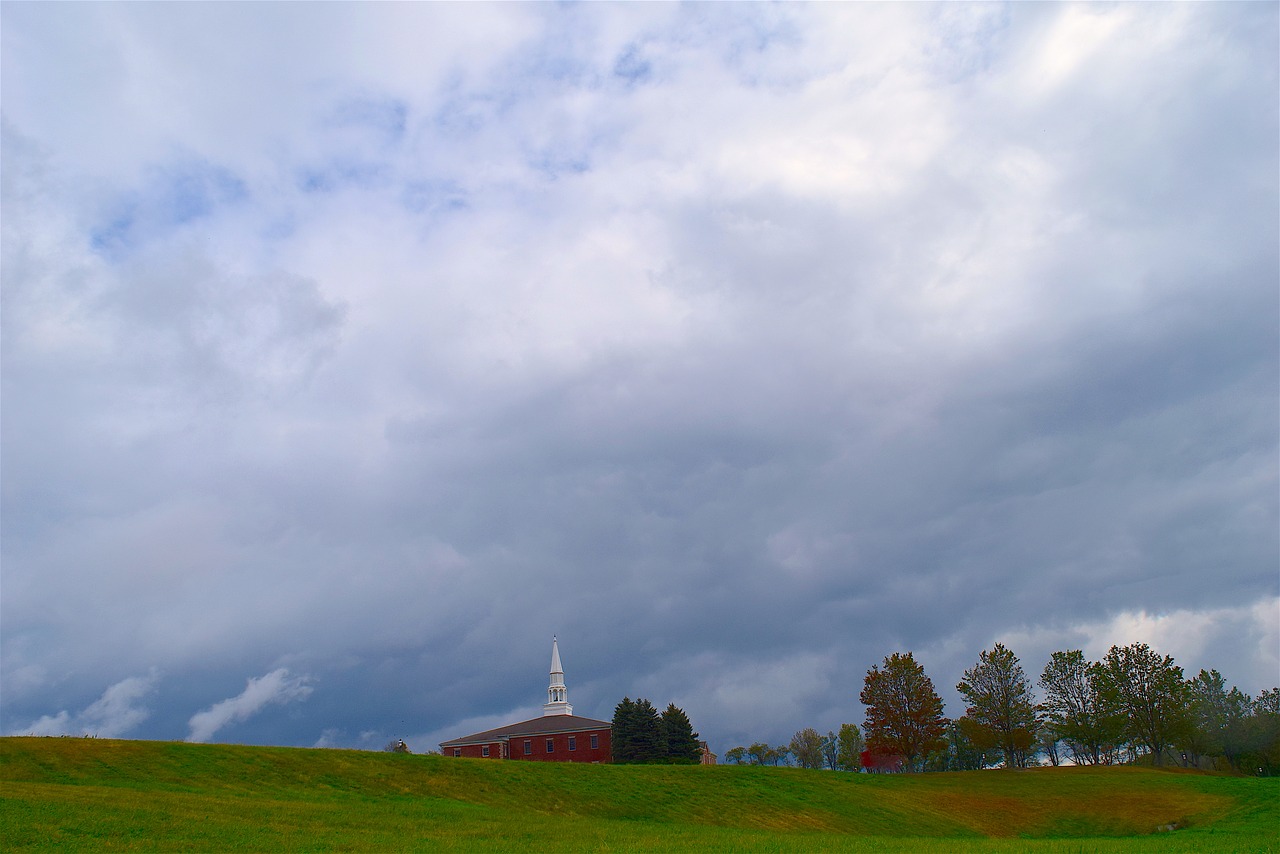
1074	710
904	712
1209	709
958	752
1150	692
806	747
1001	707
1261	754
849	748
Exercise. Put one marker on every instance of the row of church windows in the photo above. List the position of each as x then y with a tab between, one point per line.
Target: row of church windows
551	746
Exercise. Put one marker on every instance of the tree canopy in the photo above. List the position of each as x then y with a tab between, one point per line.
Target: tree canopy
806	747
642	735
849	746
681	740
1148	691
1075	712
1001	708
1133	706
904	712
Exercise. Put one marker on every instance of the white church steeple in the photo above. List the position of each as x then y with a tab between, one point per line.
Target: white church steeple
557	702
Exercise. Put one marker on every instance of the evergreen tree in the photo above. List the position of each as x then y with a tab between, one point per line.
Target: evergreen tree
648	741
681	740
624	731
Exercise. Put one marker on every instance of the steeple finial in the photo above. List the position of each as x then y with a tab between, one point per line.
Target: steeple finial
557	694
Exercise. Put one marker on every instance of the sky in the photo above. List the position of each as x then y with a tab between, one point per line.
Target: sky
350	352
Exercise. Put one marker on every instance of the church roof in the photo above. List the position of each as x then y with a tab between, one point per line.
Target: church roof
535	726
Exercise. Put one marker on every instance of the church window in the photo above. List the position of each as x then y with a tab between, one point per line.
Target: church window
551	745
484	751
573	743
595	742
528	747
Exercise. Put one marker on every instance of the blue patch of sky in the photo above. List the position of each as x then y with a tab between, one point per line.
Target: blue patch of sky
171	197
387	117
632	67
431	197
342	174
555	164
463	114
280	227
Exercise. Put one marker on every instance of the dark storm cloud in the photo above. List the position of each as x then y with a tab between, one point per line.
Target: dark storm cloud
738	347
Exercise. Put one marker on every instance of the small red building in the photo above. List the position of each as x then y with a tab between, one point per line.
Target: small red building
558	736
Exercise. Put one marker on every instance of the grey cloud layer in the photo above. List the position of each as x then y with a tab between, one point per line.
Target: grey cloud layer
739	346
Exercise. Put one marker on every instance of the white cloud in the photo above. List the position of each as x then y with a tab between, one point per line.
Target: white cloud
1242	642
276	687
117	712
59	724
423	742
381	339
329	738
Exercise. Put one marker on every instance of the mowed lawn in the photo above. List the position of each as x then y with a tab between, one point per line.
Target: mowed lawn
104	795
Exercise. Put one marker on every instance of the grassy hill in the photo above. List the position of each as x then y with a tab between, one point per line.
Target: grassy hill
103	795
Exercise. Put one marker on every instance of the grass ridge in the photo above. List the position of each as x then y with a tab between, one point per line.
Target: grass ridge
98	794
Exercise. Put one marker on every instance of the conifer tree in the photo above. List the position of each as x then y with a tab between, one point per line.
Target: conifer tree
638	734
682	741
623	732
648	738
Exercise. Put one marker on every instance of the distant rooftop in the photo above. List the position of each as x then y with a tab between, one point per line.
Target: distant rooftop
536	726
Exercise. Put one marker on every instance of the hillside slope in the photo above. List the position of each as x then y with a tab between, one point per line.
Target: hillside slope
92	794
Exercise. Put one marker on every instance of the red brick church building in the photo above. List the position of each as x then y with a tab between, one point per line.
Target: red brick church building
558	736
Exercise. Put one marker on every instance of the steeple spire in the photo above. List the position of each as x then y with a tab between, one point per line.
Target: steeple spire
557	702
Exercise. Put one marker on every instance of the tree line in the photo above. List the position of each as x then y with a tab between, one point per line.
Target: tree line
1132	703
641	735
836	751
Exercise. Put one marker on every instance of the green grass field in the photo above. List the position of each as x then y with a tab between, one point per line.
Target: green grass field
101	795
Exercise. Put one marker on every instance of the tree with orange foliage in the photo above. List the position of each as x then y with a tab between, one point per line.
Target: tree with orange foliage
904	712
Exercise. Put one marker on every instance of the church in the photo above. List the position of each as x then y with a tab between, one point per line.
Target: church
558	736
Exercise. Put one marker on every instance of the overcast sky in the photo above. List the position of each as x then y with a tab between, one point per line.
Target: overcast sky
352	351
